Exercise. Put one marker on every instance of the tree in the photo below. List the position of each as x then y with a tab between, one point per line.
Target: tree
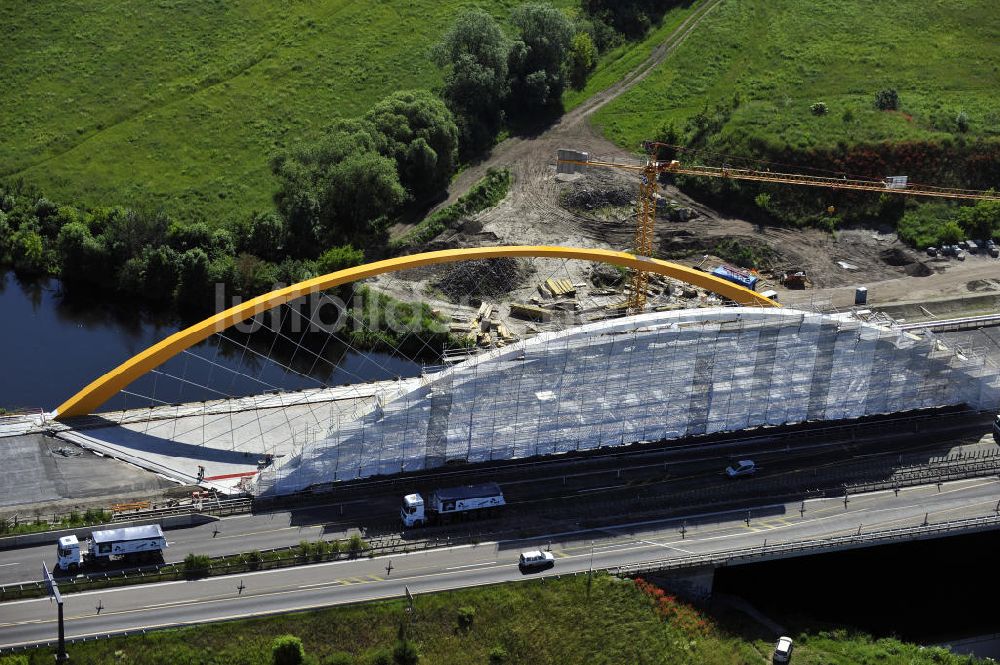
474	56
81	256
419	132
537	59
194	289
887	99
263	235
980	221
358	194
160	274
582	59
287	650
6	239
29	252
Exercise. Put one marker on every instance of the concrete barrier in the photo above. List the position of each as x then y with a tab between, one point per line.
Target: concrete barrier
47	537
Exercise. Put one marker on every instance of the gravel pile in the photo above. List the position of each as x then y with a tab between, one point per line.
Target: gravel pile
478	280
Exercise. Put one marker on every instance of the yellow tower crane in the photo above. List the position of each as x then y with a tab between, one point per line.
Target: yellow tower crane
651	168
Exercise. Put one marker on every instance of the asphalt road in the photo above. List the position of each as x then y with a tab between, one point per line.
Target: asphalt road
596	480
145	607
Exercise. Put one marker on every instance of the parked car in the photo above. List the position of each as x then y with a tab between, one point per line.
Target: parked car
782	650
745	467
947	250
971	246
960	255
994	251
932	251
535	560
962	244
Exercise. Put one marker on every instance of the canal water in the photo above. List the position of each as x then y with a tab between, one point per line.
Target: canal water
935	592
52	345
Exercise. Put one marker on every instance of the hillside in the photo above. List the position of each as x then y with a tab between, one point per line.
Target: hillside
782	56
180	103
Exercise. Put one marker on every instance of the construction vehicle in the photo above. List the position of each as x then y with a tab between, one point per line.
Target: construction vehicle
129	544
572	161
445	504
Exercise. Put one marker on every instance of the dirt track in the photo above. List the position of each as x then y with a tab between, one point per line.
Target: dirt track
532	214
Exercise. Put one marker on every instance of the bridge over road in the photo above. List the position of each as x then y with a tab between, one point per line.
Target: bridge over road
695	543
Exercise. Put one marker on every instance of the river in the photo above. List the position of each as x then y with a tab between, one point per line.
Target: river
54	345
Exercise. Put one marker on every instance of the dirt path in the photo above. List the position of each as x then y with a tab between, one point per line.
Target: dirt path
526	154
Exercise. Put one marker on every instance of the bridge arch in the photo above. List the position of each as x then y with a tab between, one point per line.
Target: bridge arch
103	388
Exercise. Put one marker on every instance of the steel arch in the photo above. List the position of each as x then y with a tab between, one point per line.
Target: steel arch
102	389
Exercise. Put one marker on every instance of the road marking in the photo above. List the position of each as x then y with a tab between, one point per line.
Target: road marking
471	565
309	586
376	578
16	563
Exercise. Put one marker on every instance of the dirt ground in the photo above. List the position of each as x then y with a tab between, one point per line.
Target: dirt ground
534	212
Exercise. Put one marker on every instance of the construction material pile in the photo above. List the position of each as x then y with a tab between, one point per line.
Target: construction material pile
479	280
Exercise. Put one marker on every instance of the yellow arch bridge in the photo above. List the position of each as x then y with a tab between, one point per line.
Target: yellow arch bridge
102	389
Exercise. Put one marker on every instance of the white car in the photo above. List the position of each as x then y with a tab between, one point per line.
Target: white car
536	559
745	467
782	650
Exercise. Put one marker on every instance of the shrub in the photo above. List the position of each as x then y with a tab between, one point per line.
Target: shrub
287	650
962	121
253	559
356	544
196	565
498	656
887	99
848	116
819	108
320	549
339	658
466	615
305	548
405	653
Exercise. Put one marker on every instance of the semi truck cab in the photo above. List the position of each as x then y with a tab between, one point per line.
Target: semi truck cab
412	511
68	551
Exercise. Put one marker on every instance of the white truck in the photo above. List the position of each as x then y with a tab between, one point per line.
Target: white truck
133	543
443	504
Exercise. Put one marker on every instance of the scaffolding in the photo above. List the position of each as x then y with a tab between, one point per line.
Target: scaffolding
657	376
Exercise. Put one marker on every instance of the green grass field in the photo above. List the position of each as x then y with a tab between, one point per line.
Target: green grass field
781	56
555	622
180	103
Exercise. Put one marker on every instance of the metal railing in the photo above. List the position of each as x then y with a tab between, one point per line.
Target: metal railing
805	547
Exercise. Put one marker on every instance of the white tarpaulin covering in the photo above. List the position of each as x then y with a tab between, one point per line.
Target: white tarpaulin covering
656	376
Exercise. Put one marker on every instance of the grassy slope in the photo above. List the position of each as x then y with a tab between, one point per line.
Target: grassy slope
535	622
618	62
782	55
181	102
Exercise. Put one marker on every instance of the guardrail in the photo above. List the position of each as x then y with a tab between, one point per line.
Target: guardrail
806	547
216	507
288	556
963	323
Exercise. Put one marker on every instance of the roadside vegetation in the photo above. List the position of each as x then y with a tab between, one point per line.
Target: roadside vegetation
15	527
909	92
568	620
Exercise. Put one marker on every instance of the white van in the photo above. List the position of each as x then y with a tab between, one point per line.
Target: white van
535	559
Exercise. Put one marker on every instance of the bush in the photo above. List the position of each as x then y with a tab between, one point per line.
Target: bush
356	544
819	108
466	615
498	656
287	650
962	121
405	653
339	258
253	559
339	658
196	565
887	100
320	549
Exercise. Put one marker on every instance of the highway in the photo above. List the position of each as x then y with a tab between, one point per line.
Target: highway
599	480
146	607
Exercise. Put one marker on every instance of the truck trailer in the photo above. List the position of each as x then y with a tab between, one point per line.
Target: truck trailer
133	543
444	504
